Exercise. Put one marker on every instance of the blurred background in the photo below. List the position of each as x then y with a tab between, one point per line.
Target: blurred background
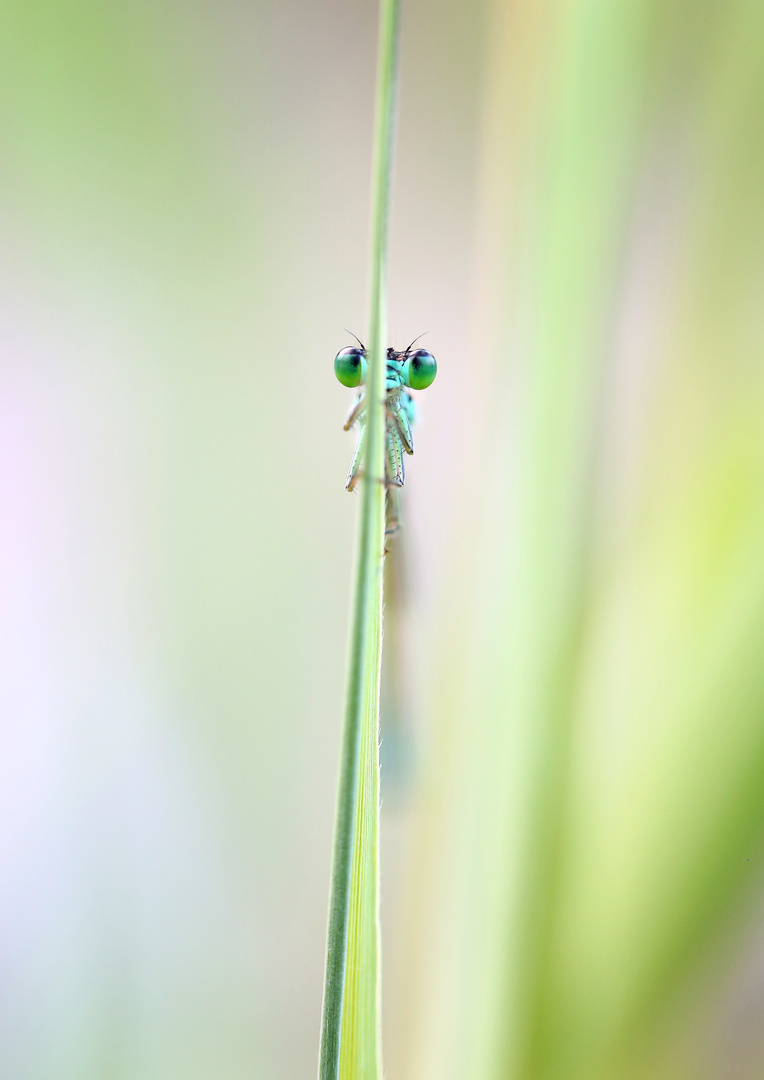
573	770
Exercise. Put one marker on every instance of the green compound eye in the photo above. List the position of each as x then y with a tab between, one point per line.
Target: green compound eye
420	370
350	366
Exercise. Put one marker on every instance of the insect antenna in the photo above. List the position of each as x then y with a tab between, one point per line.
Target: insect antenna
363	347
412	343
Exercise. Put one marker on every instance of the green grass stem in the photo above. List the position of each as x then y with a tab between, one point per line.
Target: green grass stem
350	1027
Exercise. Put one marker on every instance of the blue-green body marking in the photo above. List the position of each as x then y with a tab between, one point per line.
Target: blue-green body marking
405	370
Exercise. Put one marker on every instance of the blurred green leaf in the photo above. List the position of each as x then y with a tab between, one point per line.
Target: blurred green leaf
606	748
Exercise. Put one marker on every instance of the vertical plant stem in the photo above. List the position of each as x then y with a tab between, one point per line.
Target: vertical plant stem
350	1027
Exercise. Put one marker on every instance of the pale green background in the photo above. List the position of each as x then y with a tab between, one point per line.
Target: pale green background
183	238
577	222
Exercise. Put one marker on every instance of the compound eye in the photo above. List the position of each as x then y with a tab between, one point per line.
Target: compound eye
420	370
350	366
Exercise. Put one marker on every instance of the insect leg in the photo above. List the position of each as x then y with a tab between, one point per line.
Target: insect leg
394	446
392	512
400	416
356	411
355	464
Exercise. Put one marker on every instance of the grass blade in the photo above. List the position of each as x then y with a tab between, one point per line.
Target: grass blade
350	1026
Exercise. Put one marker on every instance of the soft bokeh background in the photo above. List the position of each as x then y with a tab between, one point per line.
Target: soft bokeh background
573	817
184	237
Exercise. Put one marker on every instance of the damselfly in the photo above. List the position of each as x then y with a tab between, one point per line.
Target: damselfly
411	369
